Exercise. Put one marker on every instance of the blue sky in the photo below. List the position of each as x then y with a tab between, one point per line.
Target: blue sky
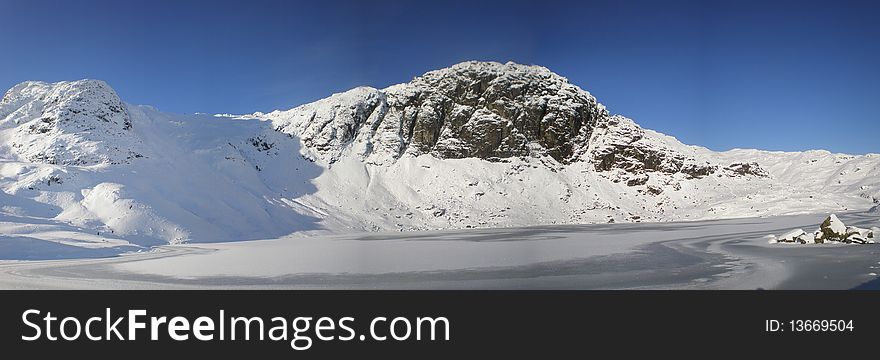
778	75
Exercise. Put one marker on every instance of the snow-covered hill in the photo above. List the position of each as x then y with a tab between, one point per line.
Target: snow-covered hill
478	144
67	123
193	178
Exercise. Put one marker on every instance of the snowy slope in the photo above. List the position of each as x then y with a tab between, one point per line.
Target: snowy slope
200	178
474	145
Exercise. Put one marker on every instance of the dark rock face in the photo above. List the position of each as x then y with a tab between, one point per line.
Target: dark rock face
473	109
618	143
696	171
489	110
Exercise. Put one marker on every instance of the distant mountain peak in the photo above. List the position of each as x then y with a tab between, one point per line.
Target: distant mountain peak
70	122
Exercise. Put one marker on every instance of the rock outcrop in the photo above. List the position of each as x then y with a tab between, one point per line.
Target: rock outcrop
473	109
833	229
618	143
490	111
751	168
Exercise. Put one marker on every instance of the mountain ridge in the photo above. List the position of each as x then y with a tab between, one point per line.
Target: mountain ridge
486	110
474	145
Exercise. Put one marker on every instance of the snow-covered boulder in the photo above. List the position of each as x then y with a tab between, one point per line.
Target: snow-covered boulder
833	229
859	235
856	239
806	238
791	236
819	237
857	230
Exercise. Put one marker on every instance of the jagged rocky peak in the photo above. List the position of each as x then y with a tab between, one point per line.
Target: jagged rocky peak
491	111
473	109
71	123
64	102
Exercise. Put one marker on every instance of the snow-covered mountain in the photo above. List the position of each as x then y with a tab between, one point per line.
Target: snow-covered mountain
68	123
478	144
105	173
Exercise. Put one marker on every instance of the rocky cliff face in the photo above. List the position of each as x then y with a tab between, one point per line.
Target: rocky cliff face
490	111
473	109
621	145
67	123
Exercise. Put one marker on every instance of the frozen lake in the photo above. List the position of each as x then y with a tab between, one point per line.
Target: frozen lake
718	254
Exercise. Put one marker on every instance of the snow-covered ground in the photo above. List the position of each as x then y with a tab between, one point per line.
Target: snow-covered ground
716	254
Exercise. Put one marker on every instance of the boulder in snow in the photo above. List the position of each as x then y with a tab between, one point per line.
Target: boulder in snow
857	230
856	239
806	238
819	237
833	229
791	236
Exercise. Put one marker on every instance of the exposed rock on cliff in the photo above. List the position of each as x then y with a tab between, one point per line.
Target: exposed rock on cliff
489	111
